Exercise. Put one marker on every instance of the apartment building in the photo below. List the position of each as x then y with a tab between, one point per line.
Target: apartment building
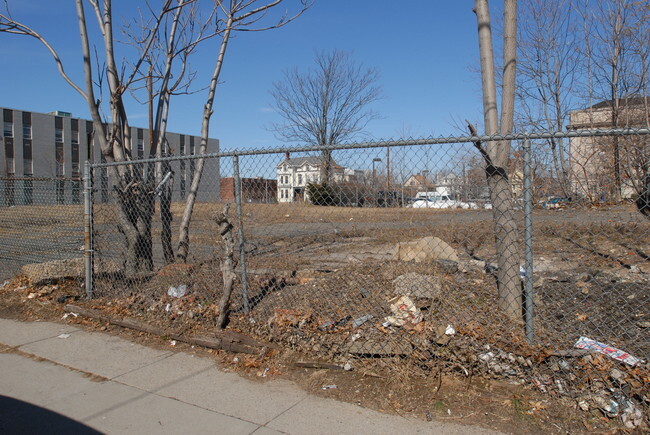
42	157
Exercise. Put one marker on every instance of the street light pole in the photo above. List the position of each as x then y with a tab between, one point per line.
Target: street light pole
374	178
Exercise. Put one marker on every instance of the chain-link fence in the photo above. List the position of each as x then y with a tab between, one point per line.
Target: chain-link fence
384	253
41	220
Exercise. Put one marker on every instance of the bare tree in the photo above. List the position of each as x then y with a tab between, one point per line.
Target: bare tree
238	15
326	105
548	68
496	154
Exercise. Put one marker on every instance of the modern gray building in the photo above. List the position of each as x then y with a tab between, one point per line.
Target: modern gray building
43	155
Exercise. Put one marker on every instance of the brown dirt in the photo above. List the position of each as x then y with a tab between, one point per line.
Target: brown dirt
442	396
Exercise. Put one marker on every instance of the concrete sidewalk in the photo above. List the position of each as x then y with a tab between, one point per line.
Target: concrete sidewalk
99	382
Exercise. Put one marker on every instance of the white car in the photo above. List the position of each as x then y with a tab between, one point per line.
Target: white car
444	202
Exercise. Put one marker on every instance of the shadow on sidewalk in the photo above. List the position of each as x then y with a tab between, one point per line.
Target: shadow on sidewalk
17	417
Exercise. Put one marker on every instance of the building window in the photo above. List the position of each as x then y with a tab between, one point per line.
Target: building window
59	158
140	143
8	124
89	140
28	164
299	179
9	155
58	129
192	162
27	125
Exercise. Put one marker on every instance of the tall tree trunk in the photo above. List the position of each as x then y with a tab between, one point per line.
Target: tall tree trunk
497	153
184	237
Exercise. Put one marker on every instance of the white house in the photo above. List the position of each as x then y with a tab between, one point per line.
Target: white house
294	175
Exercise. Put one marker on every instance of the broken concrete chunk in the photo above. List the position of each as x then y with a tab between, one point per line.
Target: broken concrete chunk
425	249
418	286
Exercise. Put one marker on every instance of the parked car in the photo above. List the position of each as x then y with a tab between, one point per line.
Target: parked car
443	202
555	202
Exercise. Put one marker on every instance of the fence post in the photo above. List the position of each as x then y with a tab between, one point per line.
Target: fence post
242	242
528	242
88	229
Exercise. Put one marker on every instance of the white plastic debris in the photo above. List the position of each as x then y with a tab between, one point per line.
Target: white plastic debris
177	292
328	387
63	336
66	315
4	284
612	352
347	367
172	343
450	330
168	307
404	311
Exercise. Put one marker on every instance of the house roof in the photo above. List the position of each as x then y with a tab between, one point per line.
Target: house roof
302	161
634	101
420	179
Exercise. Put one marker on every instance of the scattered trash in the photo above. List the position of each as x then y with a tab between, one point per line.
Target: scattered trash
612	352
168	308
631	416
177	292
333	324
361	320
328	387
66	315
266	370
608	407
22	287
404	312
486	356
63	336
583	405
4	284
522	272
31	296
355	336
450	330
172	343
235	360
347	367
427	414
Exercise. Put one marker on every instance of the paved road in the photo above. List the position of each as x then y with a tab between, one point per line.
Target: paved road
56	378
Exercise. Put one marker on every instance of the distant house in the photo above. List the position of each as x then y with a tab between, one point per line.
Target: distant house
294	174
593	159
419	182
259	190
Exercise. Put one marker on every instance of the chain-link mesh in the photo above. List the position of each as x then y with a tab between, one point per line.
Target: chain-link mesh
393	253
41	228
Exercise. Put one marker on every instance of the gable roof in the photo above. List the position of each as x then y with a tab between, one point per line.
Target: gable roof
302	161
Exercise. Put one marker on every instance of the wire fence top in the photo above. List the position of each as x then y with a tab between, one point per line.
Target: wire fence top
392	143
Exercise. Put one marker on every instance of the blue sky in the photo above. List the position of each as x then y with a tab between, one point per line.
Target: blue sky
426	53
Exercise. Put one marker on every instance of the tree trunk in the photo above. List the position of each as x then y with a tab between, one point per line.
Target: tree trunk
184	237
497	153
227	265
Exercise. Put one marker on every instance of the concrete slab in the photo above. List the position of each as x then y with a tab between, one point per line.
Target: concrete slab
32	381
100	354
112	407
316	416
153	414
230	394
263	430
14	333
167	372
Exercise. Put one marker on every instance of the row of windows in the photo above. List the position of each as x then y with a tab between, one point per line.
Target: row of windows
285	193
284	179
